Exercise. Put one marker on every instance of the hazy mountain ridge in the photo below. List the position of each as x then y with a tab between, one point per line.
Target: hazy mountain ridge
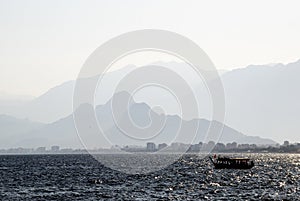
264	100
63	132
260	99
49	107
13	129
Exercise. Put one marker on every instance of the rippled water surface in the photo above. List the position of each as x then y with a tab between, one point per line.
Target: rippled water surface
80	177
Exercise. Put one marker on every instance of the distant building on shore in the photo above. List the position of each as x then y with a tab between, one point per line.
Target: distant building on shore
41	149
151	146
220	146
195	148
162	146
55	148
232	145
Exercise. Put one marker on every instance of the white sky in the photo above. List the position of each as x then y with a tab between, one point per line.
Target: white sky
44	43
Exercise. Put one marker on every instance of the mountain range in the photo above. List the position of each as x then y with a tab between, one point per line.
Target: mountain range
25	133
261	100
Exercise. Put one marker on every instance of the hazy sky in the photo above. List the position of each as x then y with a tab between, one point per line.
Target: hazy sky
44	43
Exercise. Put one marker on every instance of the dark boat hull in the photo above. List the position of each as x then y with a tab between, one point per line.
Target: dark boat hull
221	166
231	164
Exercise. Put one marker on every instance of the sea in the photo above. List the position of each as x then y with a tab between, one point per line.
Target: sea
191	177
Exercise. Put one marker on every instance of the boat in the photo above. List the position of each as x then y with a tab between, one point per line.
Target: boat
231	163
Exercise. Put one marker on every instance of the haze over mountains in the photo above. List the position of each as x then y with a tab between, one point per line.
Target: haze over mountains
264	100
28	134
261	100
